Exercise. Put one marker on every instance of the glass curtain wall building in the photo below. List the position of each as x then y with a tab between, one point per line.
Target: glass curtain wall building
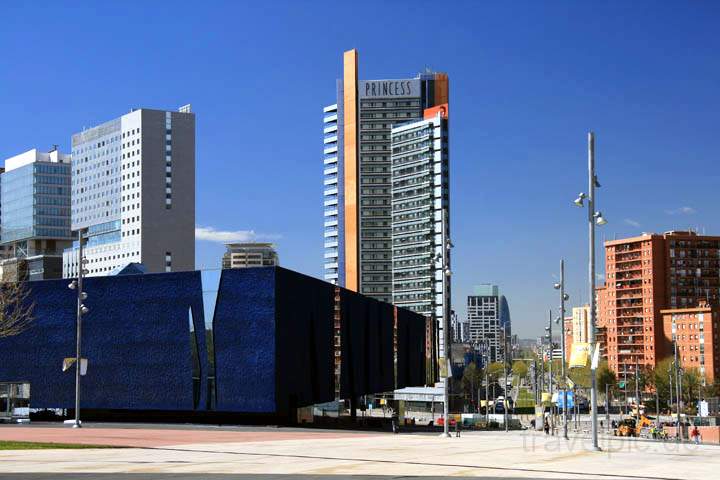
35	228
133	193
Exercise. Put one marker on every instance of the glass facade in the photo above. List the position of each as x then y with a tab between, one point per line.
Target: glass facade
35	202
97	180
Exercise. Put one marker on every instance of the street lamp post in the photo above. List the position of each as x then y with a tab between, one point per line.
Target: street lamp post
486	352
657	406
81	310
593	217
637	391
542	369
506	403
445	245
678	396
561	319
607	406
550	380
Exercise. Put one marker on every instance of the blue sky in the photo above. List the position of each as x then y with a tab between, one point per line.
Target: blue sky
528	80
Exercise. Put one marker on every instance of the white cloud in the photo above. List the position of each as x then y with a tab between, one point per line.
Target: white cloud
209	234
632	223
681	211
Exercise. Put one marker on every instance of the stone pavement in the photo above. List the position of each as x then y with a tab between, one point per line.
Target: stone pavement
307	454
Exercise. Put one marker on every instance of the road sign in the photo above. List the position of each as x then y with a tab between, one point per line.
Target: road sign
70	361
444	371
560	400
595	356
579	354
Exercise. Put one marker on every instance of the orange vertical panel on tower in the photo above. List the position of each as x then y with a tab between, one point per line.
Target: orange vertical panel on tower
433	111
442	89
350	166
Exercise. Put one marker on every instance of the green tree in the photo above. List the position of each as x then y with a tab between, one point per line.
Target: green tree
520	369
580	376
496	370
692	382
471	380
661	380
605	377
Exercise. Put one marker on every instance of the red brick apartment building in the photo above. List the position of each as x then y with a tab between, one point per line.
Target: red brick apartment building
697	337
645	275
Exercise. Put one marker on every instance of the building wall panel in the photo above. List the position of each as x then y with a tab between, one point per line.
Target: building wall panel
136	339
244	334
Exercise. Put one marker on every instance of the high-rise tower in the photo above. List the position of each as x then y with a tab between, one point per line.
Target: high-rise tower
133	193
357	149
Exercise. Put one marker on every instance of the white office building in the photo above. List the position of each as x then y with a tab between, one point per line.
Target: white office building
133	193
331	186
419	195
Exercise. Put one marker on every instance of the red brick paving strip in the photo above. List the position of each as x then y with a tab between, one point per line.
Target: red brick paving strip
139	437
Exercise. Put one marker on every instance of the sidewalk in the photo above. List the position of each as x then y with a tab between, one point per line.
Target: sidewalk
484	454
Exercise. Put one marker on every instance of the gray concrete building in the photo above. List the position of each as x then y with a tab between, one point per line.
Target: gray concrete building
133	193
249	255
488	314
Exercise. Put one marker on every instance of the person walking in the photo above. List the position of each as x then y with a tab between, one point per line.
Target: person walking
695	435
546	427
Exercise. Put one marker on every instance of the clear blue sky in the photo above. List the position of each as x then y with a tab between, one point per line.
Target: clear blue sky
528	80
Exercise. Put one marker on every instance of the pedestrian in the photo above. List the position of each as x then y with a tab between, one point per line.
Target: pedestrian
695	435
458	426
546	427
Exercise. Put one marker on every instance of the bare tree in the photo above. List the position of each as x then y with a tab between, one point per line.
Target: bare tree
16	311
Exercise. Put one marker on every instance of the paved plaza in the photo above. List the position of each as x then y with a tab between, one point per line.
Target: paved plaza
207	453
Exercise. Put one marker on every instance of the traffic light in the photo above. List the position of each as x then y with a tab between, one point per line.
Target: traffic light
621	384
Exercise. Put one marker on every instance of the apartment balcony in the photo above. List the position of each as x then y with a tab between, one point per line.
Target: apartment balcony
627	257
631	329
631	352
629	296
629	276
629	303
633	247
628	286
629	267
629	312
